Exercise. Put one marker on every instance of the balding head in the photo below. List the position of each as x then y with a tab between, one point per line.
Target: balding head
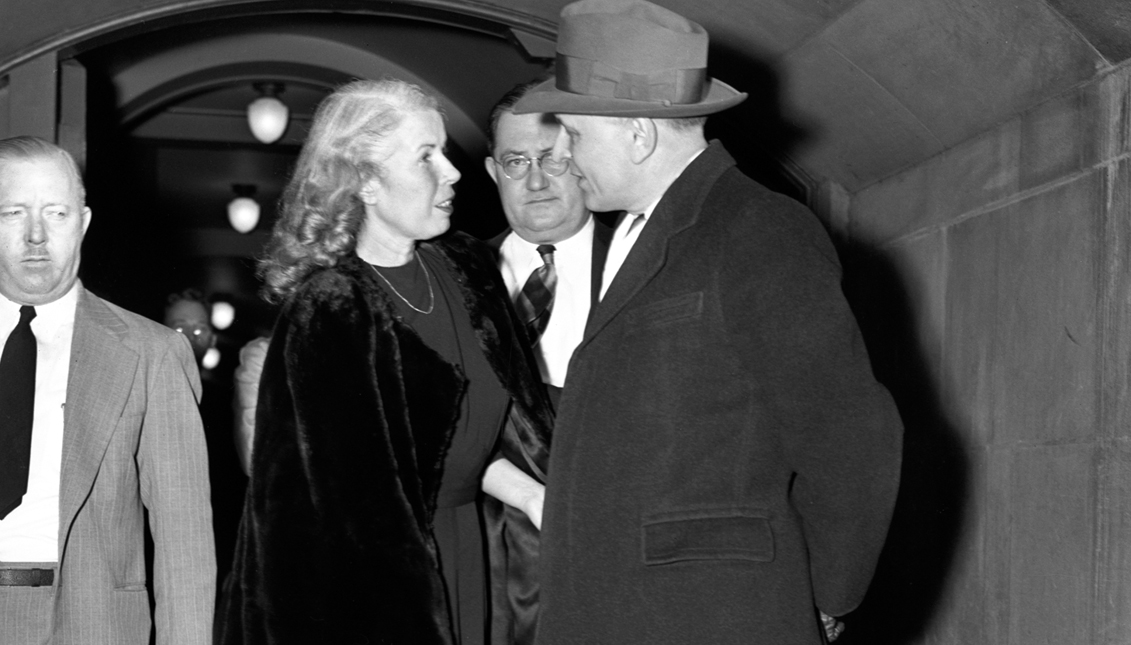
43	219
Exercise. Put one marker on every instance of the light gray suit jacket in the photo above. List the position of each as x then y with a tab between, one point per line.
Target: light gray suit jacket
132	438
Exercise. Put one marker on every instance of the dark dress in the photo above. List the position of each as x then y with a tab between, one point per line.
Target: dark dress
457	525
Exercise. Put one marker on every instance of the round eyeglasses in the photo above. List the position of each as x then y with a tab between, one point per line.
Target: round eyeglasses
518	166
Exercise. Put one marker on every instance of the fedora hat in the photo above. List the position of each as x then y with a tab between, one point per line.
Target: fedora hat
629	58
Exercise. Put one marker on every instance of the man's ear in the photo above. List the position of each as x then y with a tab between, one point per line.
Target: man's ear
491	170
86	212
644	138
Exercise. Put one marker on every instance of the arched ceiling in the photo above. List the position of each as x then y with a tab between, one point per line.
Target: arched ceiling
181	91
870	86
311	56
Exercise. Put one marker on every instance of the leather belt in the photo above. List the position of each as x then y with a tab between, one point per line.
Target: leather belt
26	577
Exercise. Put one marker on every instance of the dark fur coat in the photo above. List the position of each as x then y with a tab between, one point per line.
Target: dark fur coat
355	416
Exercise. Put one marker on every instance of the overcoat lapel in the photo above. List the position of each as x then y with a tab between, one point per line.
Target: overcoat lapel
101	376
602	235
677	210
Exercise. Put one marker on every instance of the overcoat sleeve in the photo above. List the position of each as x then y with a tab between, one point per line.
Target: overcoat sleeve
838	427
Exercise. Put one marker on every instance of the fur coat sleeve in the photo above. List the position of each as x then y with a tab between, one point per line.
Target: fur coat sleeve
336	542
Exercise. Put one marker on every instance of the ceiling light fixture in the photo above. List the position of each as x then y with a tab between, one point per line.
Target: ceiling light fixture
211	358
243	211
223	314
267	115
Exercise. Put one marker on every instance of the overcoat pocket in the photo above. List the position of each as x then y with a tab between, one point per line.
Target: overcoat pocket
708	534
689	306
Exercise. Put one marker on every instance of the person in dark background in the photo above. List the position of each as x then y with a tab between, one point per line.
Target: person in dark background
724	464
189	313
385	388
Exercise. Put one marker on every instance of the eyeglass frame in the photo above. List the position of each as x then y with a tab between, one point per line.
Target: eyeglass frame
530	164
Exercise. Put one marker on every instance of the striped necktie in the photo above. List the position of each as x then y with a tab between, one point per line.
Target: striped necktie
536	299
17	405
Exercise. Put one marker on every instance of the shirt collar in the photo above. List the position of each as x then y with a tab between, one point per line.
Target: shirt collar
49	316
577	245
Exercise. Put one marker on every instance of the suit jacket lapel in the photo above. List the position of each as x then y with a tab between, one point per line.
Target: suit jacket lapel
677	210
101	376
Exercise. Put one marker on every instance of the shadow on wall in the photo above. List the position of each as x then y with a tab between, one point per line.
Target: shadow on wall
907	591
756	132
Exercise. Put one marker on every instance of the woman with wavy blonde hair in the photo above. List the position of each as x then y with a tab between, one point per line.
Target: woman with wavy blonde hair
396	386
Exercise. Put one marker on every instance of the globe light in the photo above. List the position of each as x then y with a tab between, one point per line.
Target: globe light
223	314
243	214
211	358
267	116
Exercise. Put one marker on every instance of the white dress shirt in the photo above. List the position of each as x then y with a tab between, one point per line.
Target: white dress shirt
30	533
624	237
573	260
626	234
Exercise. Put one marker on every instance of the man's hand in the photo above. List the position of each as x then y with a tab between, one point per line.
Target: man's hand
507	483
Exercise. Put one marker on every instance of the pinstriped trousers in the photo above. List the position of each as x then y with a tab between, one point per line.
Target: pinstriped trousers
26	613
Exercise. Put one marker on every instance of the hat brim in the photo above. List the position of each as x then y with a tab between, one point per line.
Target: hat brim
546	97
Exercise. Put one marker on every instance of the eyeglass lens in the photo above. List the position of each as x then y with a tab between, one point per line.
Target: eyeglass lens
518	166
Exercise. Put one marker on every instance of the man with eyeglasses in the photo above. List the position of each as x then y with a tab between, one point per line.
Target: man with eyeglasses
552	259
552	239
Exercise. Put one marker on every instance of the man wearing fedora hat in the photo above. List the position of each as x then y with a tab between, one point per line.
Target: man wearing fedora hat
724	462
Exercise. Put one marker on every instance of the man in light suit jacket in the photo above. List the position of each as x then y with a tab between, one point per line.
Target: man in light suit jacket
111	429
724	464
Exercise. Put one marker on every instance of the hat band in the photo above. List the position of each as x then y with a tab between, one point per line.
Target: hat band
594	78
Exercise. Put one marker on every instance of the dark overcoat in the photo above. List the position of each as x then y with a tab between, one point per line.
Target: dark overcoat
724	461
355	415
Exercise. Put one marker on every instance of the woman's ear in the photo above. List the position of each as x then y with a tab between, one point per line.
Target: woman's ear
368	192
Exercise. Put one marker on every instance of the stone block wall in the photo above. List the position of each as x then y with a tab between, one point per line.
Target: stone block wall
994	285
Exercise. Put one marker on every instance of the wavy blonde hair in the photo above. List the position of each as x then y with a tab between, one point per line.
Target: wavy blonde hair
321	210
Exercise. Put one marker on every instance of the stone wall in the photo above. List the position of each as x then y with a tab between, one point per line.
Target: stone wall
992	282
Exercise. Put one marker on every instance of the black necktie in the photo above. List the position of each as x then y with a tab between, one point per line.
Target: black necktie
17	405
537	296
